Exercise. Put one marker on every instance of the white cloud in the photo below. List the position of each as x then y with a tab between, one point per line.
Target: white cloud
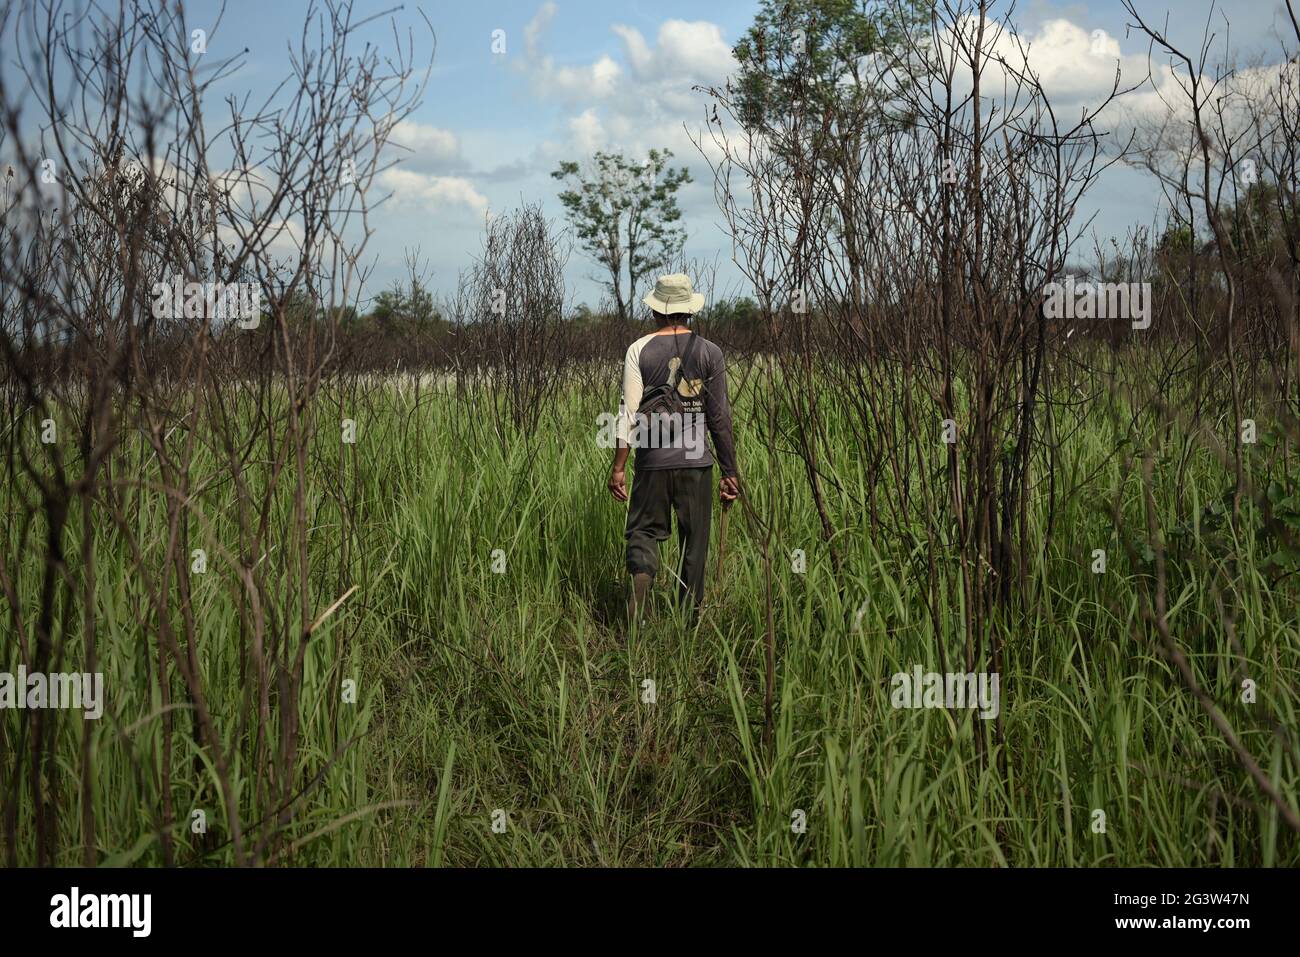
430	191
537	26
587	131
695	49
423	147
1077	69
597	79
251	190
638	107
1075	66
638	51
635	96
285	238
686	53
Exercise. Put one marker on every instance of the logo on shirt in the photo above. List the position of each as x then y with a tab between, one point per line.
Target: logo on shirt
686	388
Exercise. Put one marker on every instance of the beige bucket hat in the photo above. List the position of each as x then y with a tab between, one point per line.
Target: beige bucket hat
673	295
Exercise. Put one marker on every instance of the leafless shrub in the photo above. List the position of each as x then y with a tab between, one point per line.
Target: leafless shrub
116	200
516	300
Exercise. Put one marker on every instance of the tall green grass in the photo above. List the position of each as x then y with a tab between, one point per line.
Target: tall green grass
516	692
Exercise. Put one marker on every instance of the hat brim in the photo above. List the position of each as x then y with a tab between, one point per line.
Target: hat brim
691	307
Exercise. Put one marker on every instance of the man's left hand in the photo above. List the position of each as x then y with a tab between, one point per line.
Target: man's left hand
617	485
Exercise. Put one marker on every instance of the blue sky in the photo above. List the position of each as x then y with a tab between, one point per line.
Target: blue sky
585	74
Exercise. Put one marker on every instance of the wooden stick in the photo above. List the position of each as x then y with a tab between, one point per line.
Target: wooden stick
722	539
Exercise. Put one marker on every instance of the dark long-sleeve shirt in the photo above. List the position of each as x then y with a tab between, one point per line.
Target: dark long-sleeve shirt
702	389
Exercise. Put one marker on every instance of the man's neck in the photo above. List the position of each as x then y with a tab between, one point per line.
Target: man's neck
670	330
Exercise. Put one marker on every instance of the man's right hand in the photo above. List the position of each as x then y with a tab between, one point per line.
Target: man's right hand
729	490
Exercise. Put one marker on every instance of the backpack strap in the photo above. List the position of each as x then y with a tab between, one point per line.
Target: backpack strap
681	366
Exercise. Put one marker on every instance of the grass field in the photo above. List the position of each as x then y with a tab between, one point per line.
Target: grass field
507	694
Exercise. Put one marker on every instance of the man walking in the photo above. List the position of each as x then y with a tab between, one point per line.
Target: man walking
674	388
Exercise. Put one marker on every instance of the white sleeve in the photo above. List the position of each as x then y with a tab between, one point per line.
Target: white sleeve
632	390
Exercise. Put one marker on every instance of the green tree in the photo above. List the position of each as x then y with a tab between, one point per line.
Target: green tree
1255	224
625	215
809	84
345	317
1175	240
816	57
405	307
